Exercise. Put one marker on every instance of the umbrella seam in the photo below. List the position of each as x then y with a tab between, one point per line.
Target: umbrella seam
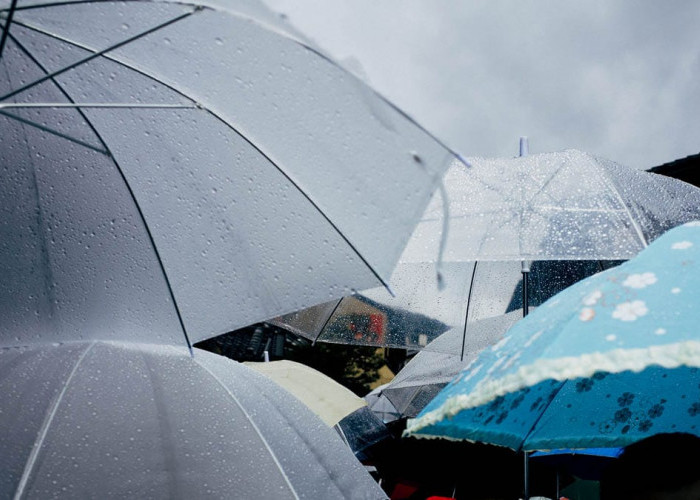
48	420
51	131
253	425
131	193
325	324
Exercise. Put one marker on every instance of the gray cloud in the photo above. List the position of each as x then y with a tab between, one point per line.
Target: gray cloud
617	78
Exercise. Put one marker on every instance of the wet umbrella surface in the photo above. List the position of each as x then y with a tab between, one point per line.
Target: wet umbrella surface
190	168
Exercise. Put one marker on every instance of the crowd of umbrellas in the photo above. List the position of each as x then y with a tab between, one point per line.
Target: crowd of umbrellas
174	170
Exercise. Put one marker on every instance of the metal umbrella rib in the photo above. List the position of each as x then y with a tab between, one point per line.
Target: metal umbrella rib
89	58
6	28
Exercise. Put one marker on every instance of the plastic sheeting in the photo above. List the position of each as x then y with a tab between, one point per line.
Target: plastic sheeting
120	420
173	167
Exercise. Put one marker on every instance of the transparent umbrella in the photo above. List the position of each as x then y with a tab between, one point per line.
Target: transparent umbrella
189	168
504	217
417	383
423	309
566	205
125	420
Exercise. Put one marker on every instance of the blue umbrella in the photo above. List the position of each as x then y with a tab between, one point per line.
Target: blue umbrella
606	362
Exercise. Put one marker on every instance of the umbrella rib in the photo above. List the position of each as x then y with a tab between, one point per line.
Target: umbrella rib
131	193
537	420
325	323
254	426
637	229
43	431
53	132
279	168
6	27
466	314
52	75
84	105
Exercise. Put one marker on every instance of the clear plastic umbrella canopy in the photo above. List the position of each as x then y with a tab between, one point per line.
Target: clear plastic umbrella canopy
381	406
125	420
423	309
424	376
559	205
190	167
610	360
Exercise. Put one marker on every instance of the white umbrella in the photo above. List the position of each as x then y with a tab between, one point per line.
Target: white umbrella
190	168
125	420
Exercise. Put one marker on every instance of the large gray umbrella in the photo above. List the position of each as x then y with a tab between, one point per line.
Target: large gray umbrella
125	420
190	168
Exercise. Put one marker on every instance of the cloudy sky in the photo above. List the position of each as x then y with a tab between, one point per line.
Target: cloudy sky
616	78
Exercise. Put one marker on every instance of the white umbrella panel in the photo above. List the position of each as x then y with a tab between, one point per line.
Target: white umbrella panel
121	420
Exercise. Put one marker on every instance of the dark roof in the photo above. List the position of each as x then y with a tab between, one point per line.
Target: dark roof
686	169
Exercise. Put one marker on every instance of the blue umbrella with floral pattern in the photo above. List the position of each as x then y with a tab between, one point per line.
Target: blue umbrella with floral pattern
606	362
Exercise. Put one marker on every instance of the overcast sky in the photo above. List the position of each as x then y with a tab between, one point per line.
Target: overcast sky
620	79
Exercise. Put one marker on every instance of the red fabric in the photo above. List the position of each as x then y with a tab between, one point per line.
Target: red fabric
402	491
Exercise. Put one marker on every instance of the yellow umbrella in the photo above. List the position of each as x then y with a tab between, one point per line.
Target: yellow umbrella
327	398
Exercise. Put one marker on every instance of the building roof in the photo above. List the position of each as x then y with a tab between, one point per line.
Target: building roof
685	169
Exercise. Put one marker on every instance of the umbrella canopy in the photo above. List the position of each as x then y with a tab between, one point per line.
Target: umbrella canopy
324	396
417	383
108	419
567	205
190	168
423	309
334	403
606	362
380	405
